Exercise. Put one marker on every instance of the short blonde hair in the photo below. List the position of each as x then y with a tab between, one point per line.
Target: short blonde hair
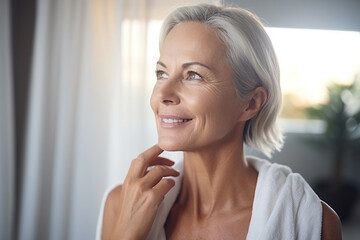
252	57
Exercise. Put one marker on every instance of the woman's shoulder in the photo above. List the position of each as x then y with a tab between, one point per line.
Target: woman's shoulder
278	174
112	200
280	181
331	225
280	184
114	193
283	194
109	211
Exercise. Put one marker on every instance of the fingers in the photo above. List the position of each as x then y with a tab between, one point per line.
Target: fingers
142	192
156	195
157	173
161	161
162	188
151	152
146	159
153	180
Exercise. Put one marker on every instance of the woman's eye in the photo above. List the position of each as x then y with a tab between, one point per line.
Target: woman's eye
194	76
161	75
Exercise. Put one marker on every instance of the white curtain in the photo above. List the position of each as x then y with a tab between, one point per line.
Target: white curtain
86	112
6	127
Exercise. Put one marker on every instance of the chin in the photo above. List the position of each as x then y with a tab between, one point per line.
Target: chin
170	145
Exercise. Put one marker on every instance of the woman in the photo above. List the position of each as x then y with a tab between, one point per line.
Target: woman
217	88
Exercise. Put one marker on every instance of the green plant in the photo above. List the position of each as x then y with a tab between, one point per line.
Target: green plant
341	114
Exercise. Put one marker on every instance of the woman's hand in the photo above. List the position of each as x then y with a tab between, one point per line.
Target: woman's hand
132	208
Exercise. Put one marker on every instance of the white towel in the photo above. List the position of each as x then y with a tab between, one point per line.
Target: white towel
285	207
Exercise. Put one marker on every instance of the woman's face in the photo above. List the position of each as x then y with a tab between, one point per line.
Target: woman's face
194	99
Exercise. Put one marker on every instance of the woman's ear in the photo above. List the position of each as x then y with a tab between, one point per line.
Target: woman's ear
255	102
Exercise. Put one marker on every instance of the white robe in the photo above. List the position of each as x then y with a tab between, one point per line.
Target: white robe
285	207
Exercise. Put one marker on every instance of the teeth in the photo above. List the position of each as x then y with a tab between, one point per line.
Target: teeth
171	120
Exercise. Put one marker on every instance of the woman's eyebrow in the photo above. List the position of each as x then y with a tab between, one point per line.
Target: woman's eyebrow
186	65
162	64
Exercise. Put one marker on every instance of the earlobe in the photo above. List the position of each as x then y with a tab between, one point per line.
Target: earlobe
256	101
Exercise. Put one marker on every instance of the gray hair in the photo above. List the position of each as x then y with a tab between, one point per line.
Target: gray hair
251	56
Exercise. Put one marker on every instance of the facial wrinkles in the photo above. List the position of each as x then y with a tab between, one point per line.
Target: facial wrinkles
209	82
217	107
190	45
211	101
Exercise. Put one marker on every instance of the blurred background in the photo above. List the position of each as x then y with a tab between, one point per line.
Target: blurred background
75	82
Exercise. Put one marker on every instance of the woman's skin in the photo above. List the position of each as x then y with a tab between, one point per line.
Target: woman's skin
197	111
211	140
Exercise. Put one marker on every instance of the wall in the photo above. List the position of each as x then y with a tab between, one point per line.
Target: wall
315	14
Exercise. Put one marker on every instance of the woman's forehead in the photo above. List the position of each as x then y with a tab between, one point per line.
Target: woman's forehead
193	40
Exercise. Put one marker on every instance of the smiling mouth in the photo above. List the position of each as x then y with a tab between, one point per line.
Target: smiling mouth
174	120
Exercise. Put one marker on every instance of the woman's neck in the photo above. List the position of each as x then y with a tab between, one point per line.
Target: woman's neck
217	180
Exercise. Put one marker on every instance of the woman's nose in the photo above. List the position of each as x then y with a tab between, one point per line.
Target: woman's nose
168	92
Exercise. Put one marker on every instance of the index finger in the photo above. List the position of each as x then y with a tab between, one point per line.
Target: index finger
140	164
151	153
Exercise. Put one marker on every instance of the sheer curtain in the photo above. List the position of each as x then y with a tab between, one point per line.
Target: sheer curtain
6	127
86	110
